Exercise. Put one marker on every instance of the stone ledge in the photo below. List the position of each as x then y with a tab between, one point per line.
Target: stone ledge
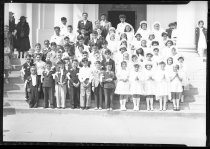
192	113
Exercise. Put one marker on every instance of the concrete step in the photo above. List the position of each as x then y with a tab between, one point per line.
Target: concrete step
13	86
104	112
16	67
16	80
15	61
129	105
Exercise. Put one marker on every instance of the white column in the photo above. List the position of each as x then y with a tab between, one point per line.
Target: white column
185	26
29	20
45	22
6	14
78	9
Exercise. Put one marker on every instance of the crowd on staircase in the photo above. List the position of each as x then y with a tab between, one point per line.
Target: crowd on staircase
102	61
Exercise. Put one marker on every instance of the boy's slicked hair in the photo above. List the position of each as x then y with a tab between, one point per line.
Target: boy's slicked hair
63	18
74	60
53	44
37	44
57	27
108	52
66	37
28	55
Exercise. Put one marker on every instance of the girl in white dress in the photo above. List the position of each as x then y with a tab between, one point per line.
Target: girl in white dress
111	31
112	45
143	30
176	79
163	40
119	57
161	78
157	30
169	69
144	45
149	85
122	87
166	52
134	60
129	31
136	85
182	69
150	39
136	43
156	56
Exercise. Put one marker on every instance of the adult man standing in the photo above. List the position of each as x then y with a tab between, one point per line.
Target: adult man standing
105	25
85	24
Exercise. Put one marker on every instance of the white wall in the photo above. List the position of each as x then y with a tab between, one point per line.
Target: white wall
19	9
6	14
63	10
165	14
201	8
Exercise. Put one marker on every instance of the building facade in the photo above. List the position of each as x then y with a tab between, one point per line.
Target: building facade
43	17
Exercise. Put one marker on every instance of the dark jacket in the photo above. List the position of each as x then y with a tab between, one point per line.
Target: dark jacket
48	80
73	76
108	75
29	85
88	27
23	43
197	34
86	39
26	68
58	77
98	43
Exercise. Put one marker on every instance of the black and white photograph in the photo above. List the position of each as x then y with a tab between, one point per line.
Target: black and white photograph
105	73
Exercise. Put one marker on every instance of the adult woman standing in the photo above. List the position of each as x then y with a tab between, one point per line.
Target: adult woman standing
23	43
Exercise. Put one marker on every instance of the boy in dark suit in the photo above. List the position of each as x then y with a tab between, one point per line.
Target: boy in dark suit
84	55
74	85
33	86
48	85
108	59
86	24
95	41
26	67
45	50
84	35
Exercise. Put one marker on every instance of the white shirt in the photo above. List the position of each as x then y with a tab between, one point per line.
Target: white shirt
40	67
72	37
63	29
64	55
84	73
57	39
102	23
33	78
84	22
121	27
176	84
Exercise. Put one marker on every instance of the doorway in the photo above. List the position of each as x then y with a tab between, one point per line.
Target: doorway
113	17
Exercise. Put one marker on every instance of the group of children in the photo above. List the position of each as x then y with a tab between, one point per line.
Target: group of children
134	66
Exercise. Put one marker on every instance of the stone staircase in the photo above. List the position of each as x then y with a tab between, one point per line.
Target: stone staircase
195	97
